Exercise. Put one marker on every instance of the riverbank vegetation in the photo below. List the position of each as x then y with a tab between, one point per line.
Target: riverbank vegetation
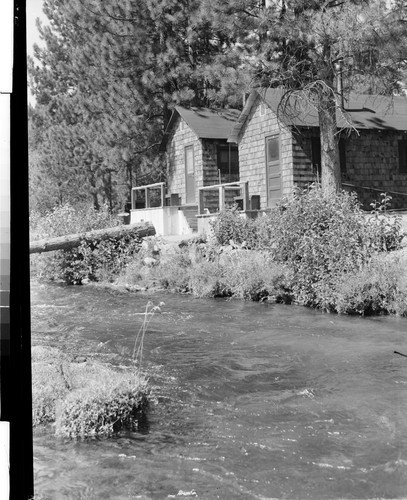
85	399
100	261
83	396
313	249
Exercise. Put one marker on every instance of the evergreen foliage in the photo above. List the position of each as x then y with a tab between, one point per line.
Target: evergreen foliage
105	83
308	47
109	74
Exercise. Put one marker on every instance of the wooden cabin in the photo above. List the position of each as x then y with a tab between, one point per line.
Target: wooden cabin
198	154
279	147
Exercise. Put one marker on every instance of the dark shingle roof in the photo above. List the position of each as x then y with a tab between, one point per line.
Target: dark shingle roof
361	110
206	123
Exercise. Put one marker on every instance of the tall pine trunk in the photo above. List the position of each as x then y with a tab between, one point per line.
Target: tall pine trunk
330	163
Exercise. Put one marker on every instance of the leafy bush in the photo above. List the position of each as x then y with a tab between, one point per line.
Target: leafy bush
229	225
95	261
318	236
323	236
98	261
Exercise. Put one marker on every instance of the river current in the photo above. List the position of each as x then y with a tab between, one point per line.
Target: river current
254	401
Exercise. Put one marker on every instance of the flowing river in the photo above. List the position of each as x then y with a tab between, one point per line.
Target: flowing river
254	401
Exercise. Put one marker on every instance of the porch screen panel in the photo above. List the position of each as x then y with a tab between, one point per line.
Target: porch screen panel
273	170
190	175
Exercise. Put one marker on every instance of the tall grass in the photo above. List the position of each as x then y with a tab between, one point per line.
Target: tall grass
137	356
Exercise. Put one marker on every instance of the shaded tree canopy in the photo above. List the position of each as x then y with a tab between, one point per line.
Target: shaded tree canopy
308	47
109	74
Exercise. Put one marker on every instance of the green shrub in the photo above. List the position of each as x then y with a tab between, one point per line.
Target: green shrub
229	225
95	261
379	287
322	236
98	261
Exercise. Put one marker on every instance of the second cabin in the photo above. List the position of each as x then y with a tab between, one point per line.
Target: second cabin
198	154
279	146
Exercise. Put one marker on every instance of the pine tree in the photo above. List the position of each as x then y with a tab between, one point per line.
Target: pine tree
110	74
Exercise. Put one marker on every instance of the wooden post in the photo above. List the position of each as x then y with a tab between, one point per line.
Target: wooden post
245	196
200	201
221	198
162	195
133	198
147	195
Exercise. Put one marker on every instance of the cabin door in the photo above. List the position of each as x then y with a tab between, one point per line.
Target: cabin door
273	170
190	175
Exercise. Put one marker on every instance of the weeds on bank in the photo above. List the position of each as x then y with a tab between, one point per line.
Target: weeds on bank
315	250
326	243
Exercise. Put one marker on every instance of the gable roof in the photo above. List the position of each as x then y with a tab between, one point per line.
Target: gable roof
362	110
206	123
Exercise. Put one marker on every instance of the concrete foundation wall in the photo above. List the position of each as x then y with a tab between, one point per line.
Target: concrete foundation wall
166	220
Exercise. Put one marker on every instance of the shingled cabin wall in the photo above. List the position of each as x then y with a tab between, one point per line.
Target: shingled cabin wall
304	170
259	124
182	137
372	160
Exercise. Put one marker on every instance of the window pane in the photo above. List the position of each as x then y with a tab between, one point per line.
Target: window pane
224	156
403	157
189	159
272	150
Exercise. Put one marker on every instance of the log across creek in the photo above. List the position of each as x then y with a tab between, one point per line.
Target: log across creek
69	241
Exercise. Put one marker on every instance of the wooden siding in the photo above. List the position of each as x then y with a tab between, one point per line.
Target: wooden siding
181	137
372	160
252	143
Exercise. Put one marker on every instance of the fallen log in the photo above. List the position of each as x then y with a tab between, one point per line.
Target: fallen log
69	241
